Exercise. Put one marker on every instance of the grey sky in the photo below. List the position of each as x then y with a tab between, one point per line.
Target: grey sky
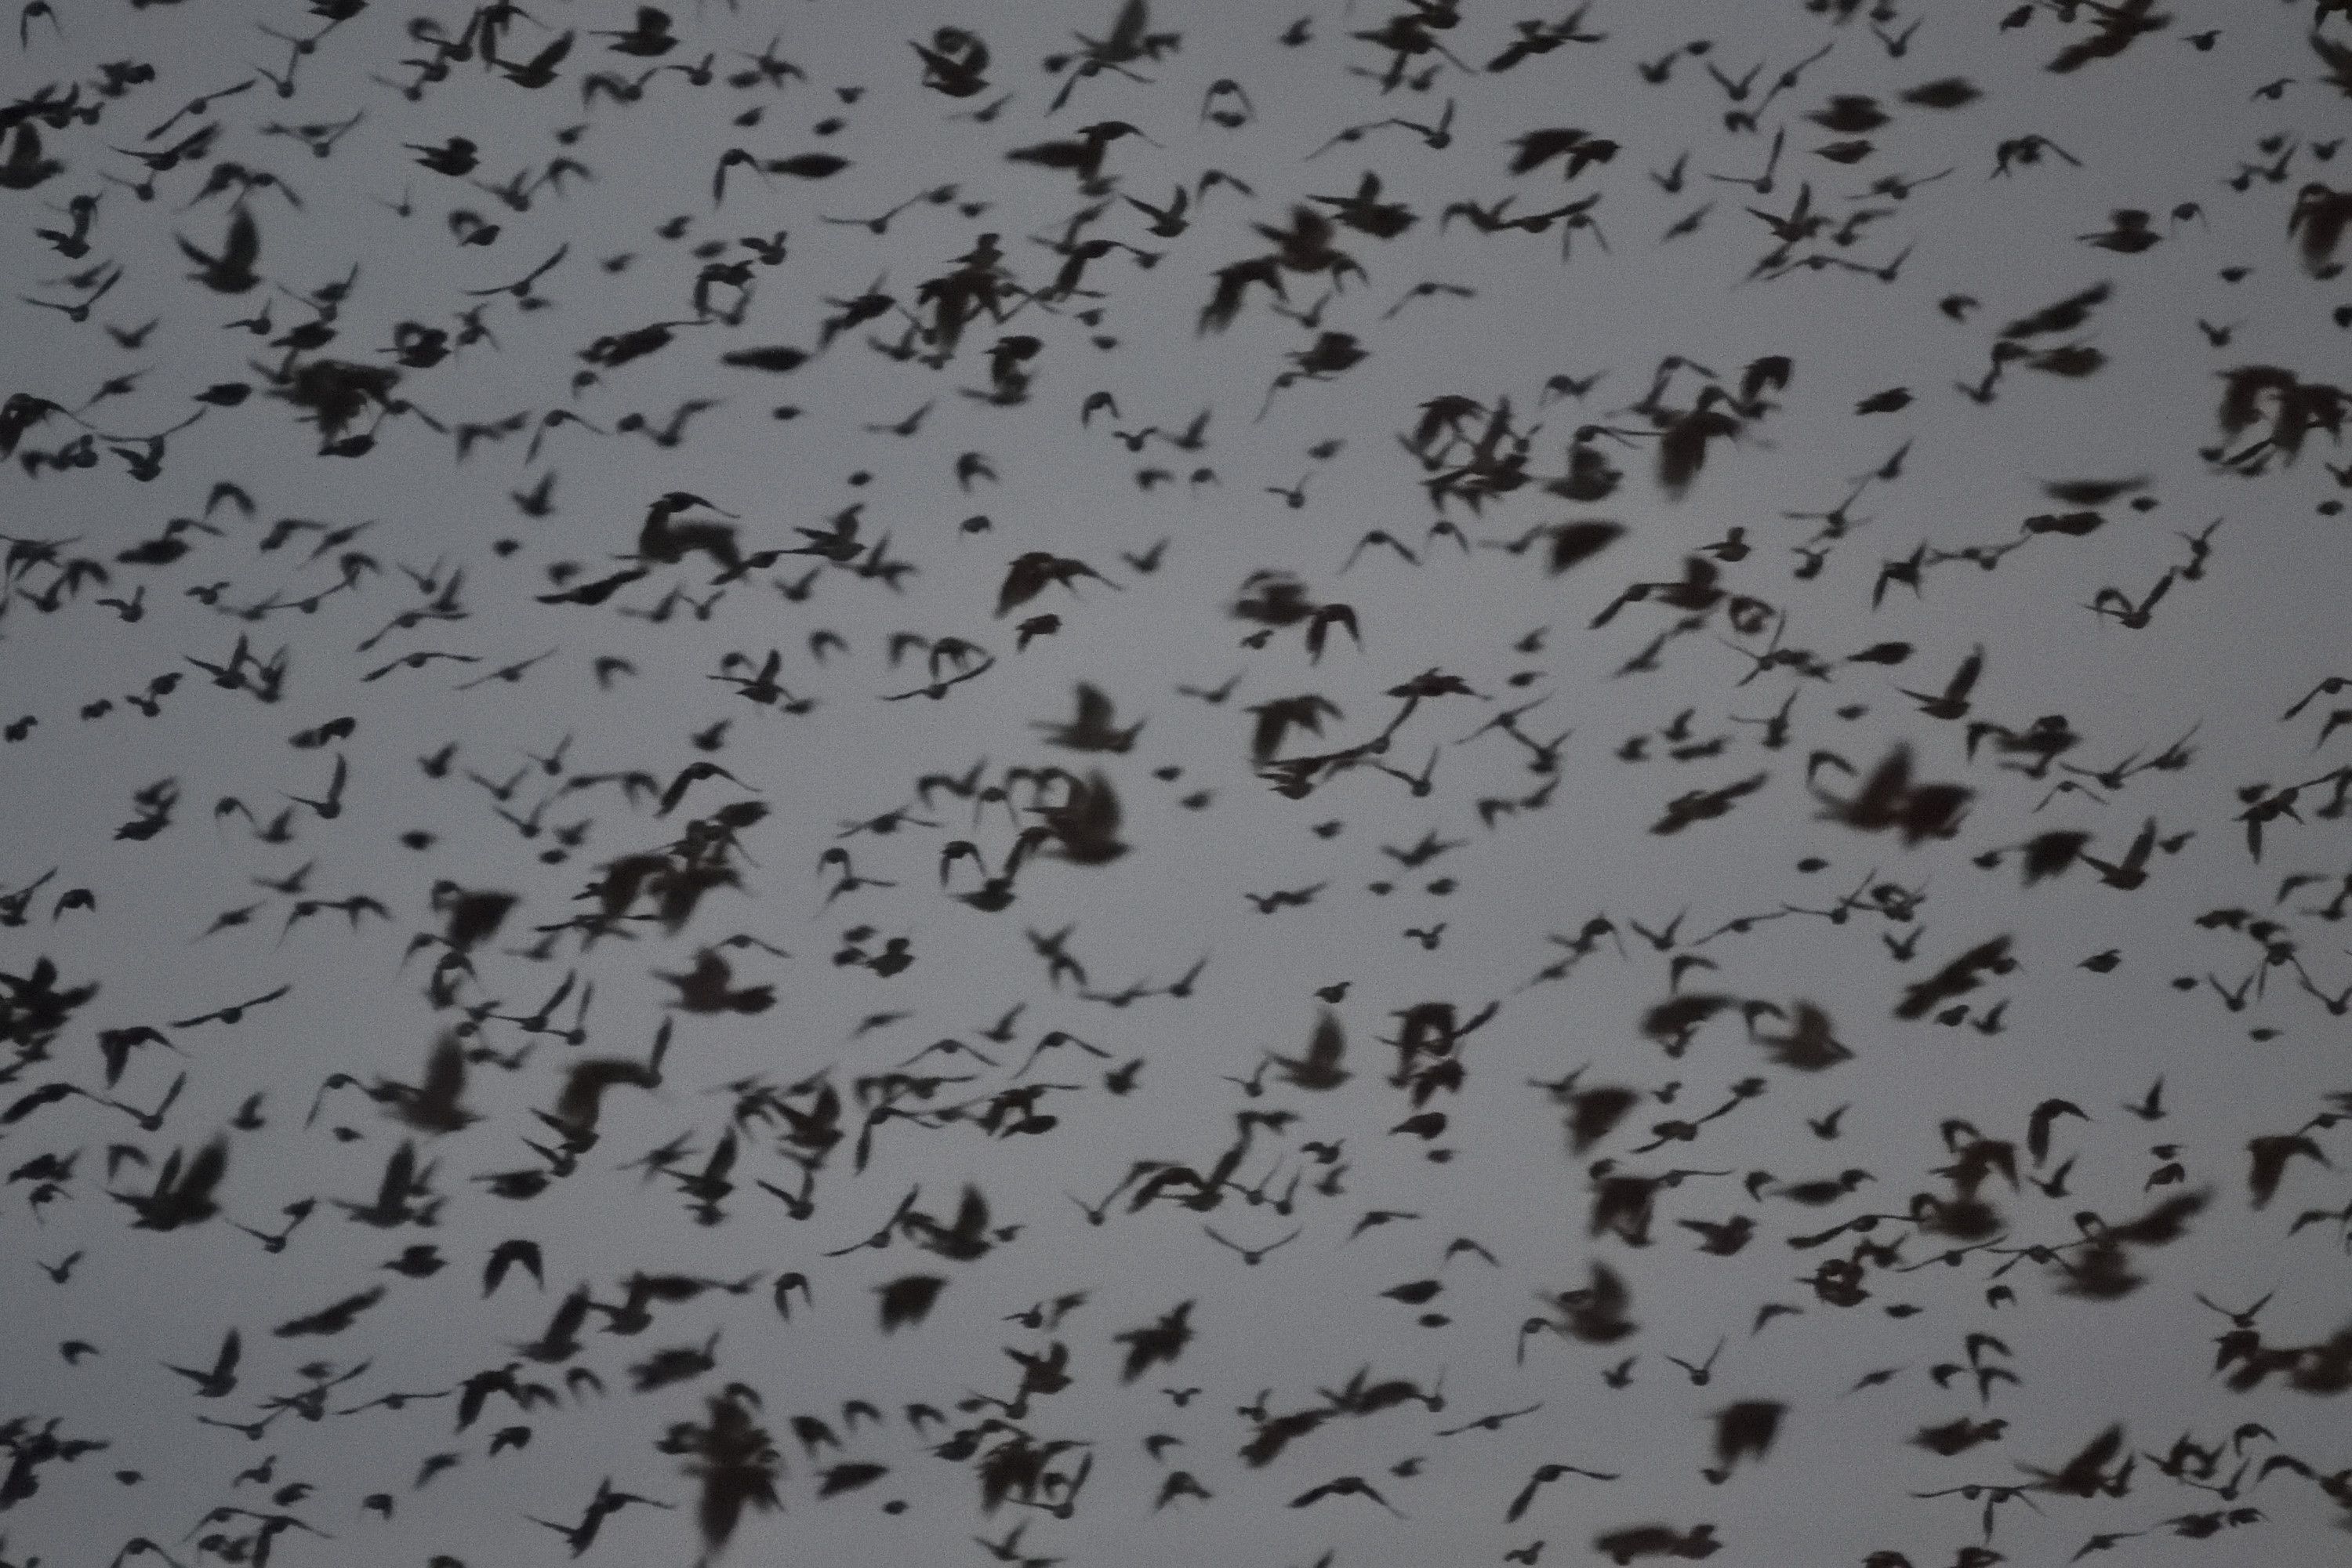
2227	651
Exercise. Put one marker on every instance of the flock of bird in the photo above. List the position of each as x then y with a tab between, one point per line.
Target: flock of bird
799	783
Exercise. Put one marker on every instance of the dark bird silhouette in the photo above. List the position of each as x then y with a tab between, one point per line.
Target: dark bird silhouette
1157	1344
219	1381
231	271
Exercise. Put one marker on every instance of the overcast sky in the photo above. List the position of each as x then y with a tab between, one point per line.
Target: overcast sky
2212	138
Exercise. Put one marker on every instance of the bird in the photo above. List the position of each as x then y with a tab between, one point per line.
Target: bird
219	1380
231	270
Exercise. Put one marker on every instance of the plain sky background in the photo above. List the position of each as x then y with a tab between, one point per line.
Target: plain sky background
2163	125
